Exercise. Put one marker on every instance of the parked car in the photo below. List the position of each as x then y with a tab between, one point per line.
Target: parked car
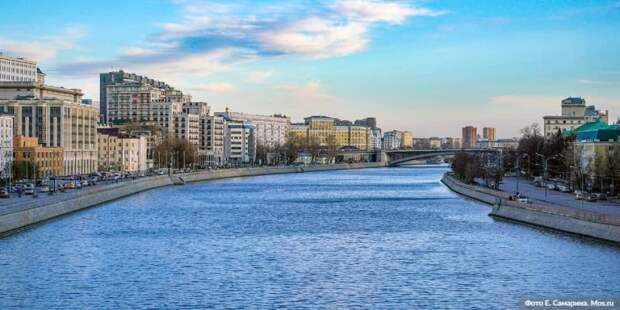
69	185
591	198
523	200
601	196
579	195
551	186
538	181
563	188
4	193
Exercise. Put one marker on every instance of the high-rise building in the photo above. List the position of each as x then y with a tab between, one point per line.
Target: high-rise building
56	117
470	137
6	145
574	114
488	133
271	130
158	90
18	69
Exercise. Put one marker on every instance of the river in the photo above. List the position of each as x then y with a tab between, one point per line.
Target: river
371	238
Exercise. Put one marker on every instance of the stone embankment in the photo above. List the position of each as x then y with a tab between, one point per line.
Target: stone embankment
573	220
15	218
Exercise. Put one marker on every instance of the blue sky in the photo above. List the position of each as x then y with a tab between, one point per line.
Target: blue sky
426	66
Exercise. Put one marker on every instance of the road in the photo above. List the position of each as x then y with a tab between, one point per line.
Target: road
15	203
564	199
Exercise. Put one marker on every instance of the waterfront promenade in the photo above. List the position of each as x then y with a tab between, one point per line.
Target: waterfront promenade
602	223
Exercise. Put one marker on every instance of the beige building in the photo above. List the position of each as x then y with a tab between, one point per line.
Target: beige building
120	152
46	161
406	140
55	116
574	114
324	131
488	133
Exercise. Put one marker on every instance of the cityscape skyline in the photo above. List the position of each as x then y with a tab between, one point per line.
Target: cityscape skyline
347	59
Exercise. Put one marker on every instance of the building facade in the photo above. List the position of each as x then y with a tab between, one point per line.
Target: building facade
213	131
56	117
45	161
488	133
17	69
240	142
121	153
574	114
326	131
6	145
469	137
392	140
271	131
406	141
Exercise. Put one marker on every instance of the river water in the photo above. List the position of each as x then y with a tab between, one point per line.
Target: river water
372	238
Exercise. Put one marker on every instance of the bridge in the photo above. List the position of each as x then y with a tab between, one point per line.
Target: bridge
397	157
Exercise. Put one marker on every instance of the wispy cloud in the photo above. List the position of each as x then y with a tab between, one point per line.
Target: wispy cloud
219	87
599	82
245	31
43	48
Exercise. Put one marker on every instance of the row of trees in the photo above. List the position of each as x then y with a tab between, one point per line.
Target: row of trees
175	153
295	145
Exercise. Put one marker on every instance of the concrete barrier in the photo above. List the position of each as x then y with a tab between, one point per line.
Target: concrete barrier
590	224
21	217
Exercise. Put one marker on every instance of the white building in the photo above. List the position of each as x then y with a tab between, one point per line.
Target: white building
392	140
17	69
270	130
239	142
574	114
6	145
375	139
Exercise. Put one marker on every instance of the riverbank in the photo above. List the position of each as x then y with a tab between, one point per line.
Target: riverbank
599	225
18	217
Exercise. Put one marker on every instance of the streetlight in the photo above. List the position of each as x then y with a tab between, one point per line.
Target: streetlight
523	155
545	167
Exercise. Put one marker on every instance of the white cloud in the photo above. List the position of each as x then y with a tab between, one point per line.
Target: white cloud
44	48
316	37
380	11
598	82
